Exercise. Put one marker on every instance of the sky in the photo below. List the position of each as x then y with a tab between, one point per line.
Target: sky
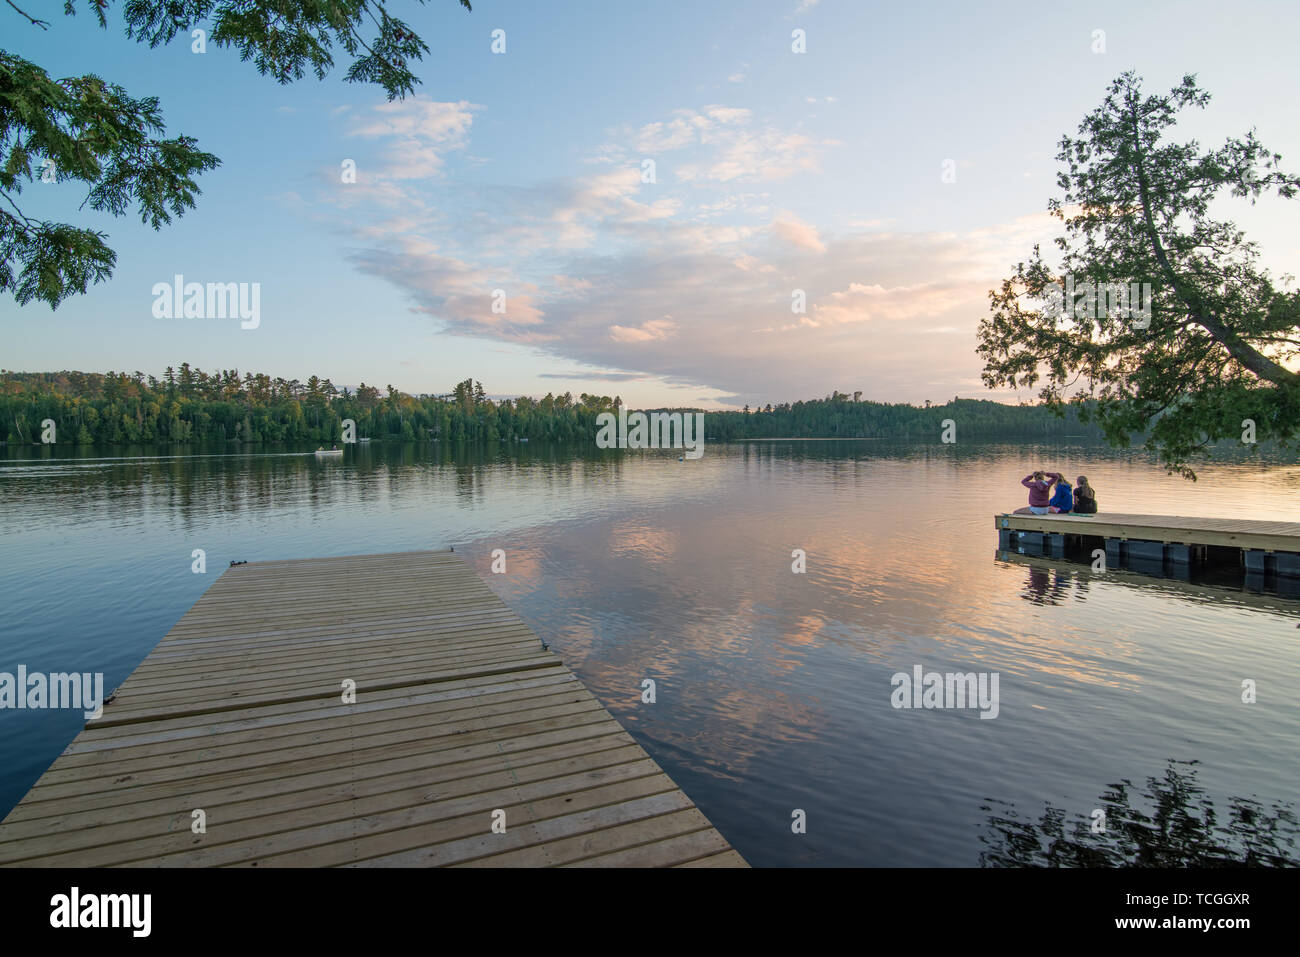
519	180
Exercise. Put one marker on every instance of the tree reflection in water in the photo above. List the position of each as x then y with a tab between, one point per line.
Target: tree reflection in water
1180	828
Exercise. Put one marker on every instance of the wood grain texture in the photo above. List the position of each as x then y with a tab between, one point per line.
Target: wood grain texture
459	713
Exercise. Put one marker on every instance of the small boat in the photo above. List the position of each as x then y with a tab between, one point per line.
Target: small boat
329	453
363	441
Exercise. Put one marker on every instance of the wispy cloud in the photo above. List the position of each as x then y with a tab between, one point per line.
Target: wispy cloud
599	376
797	233
646	332
417	133
682	280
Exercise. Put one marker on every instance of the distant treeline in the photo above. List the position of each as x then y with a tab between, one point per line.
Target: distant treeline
842	416
191	405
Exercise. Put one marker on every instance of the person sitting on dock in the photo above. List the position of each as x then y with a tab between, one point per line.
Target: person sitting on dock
1062	500
1040	491
1085	497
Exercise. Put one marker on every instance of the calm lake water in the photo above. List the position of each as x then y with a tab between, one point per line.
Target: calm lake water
773	689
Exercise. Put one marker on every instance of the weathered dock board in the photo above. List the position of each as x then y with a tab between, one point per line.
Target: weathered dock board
239	714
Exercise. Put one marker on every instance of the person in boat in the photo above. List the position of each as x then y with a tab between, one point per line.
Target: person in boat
1040	492
1085	497
1062	500
334	448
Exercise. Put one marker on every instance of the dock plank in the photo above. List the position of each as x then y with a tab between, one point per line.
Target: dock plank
459	712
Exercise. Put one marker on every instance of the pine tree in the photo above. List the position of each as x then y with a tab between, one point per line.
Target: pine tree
1216	341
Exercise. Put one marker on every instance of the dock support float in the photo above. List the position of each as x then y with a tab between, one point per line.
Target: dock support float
1257	560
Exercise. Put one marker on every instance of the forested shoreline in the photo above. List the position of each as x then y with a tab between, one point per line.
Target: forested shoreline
189	405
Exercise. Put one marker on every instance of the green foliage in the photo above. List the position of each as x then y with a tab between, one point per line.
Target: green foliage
88	130
191	405
285	39
83	129
1137	209
839	416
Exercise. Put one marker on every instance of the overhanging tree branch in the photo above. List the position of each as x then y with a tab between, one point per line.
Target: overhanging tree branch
1252	359
1219	341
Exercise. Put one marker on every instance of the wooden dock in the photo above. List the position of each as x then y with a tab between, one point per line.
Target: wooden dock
237	718
1264	545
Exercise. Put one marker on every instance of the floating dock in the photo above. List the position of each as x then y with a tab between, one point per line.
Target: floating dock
1264	546
467	743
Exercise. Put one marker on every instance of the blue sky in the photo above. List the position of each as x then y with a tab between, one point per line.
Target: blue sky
522	172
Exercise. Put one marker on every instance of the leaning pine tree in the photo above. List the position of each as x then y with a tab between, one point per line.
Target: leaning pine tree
1215	357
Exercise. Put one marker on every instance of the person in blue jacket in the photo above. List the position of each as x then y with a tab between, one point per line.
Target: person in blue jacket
1062	499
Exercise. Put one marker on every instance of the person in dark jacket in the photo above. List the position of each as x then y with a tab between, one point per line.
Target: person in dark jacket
1062	500
1085	497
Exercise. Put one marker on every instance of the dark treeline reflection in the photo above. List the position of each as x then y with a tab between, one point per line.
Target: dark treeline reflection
213	479
1180	827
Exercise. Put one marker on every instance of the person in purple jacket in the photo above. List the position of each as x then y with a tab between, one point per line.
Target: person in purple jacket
1040	492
